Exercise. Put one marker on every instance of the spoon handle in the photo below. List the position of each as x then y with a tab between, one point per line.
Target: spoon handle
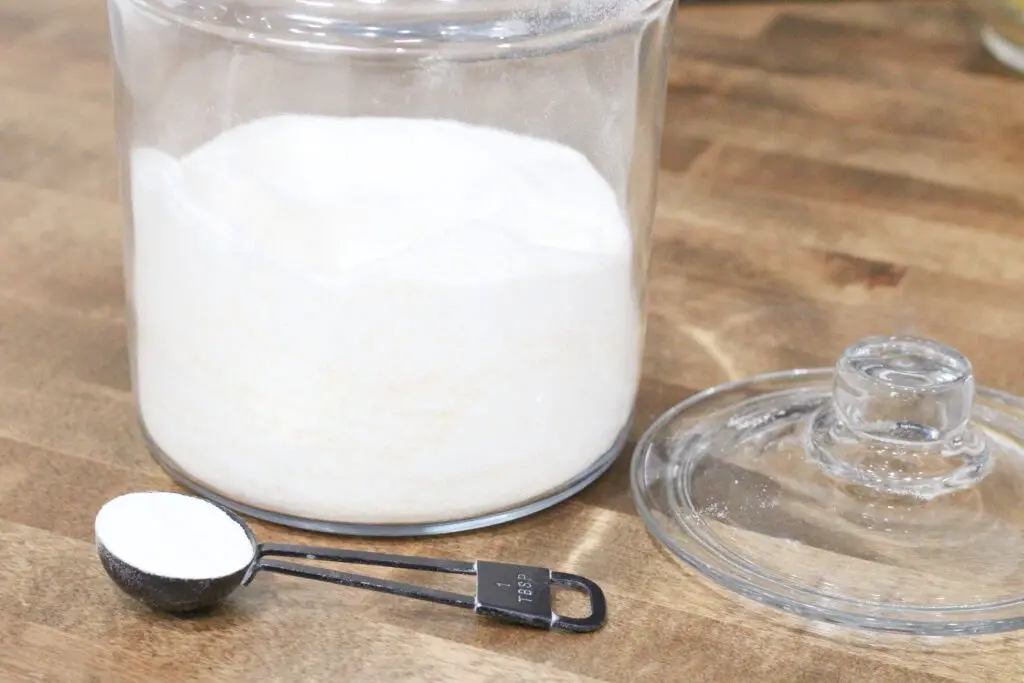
512	593
362	557
407	590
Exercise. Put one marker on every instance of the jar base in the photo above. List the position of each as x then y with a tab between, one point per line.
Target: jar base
547	500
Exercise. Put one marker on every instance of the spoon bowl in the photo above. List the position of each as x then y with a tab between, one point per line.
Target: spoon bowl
172	594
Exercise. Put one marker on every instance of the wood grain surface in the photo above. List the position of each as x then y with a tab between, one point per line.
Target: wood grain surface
829	171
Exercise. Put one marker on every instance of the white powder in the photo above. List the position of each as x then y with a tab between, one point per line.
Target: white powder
173	535
381	320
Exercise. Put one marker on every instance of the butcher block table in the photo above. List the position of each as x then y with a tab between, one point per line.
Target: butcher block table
829	171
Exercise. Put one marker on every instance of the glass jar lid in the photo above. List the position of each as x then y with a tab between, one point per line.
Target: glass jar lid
885	494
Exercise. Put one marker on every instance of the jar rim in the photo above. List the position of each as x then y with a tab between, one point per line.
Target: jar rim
449	29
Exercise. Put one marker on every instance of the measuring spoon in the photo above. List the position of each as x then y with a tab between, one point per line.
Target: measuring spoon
518	594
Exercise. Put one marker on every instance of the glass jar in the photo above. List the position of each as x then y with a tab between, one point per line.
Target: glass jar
386	260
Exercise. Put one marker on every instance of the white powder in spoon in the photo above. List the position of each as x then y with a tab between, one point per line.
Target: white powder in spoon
173	535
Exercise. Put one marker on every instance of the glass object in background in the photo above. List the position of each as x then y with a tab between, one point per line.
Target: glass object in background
386	261
1003	34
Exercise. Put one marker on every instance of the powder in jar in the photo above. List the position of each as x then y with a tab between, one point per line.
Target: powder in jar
374	321
173	535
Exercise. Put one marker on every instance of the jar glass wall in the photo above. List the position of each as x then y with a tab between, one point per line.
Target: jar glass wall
386	261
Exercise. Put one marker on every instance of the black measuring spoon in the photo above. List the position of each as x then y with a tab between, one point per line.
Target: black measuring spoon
513	593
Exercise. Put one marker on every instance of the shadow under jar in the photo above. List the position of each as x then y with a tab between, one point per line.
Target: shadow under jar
386	260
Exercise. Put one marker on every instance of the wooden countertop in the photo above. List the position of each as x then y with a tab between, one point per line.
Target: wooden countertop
830	170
